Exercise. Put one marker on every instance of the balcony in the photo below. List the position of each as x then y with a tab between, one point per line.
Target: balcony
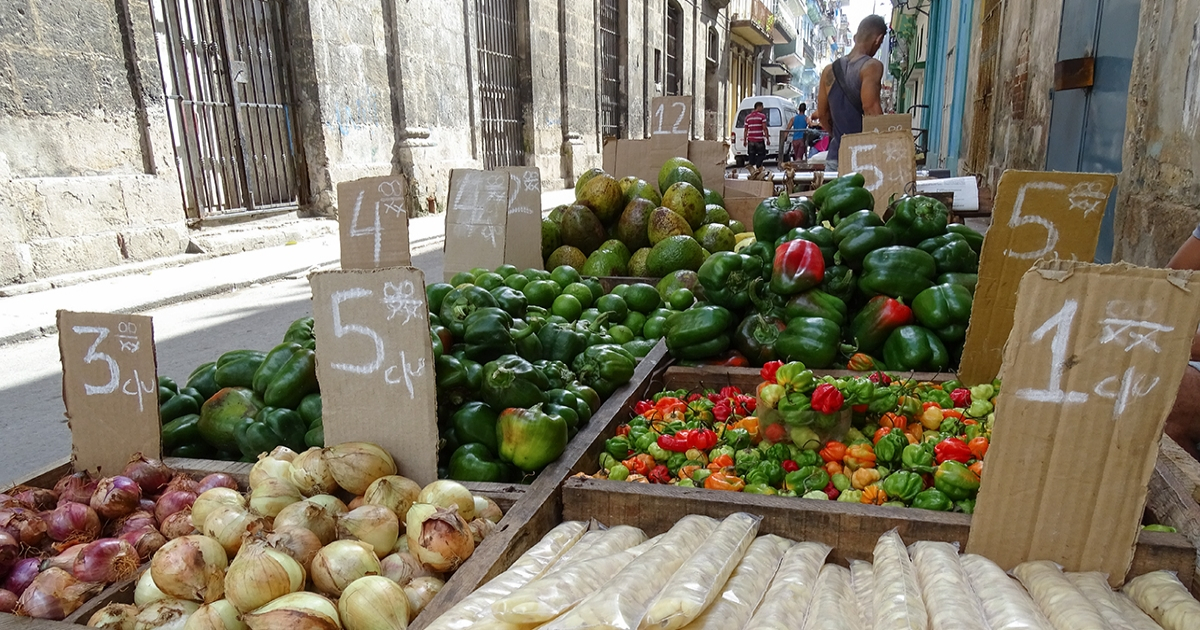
752	21
785	22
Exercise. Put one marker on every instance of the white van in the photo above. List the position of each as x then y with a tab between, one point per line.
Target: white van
779	111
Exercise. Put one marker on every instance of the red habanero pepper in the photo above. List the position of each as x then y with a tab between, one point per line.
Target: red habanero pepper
961	397
659	474
767	373
833	451
790	465
729	391
775	433
722	461
879	378
978	446
623	430
827	399
677	443
642	406
694	397
640	464
831	492
749	404
879	434
721	411
927	405
952	449
954	413
702	439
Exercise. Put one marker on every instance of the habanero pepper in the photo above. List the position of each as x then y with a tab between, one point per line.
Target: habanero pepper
827	398
952	449
859	456
833	451
956	480
722	480
961	397
767	373
978	447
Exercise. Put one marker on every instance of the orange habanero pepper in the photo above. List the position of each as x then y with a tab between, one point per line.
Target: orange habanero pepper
724	481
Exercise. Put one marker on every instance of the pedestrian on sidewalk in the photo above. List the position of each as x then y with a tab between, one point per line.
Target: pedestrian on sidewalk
755	136
799	128
850	86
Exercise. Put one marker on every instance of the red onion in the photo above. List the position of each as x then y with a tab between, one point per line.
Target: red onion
7	501
146	541
171	502
77	488
146	505
115	497
10	551
35	498
54	594
178	524
216	480
182	482
25	525
133	521
73	522
106	560
21	575
151	474
64	560
8	601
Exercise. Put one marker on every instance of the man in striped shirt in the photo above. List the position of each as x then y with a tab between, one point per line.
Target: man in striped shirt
754	137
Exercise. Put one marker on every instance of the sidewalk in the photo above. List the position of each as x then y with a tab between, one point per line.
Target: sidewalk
135	288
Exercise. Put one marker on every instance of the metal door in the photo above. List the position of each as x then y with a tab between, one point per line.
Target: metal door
611	110
1087	126
502	126
228	90
674	76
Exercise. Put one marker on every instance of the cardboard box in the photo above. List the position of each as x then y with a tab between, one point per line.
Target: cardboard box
743	196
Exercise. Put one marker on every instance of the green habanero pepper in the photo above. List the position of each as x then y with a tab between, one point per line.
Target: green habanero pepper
903	485
956	480
890	447
932	499
918	458
806	479
618	447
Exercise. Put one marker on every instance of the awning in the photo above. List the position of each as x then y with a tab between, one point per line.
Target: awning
791	61
776	69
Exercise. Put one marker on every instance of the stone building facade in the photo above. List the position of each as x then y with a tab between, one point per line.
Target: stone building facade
90	175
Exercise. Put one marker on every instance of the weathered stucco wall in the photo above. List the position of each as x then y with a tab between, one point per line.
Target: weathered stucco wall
1158	199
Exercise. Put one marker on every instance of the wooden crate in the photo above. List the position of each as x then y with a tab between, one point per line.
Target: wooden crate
1172	500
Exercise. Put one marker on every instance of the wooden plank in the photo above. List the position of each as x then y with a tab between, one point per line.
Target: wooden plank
48	476
115	593
1169	501
1074	74
1185	468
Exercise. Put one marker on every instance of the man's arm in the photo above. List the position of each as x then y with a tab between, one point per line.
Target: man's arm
823	98
1188	256
872	75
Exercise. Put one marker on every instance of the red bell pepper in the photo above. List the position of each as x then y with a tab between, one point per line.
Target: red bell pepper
827	399
767	373
799	266
877	319
952	449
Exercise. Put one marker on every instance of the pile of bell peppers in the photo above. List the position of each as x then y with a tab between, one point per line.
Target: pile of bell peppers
909	444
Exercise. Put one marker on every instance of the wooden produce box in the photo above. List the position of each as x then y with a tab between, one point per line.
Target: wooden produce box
1174	493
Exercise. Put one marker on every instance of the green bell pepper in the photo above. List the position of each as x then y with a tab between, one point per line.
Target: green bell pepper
842	197
956	480
180	431
840	282
903	485
726	278
512	301
177	406
605	367
315	438
889	448
475	462
476	422
293	381
816	303
237	367
875	322
755	337
567	398
854	222
460	303
271	427
511	381
435	293
974	239
915	348
851	179
775	216
223	413
813	341
556	372
454	374
818	234
586	394
270	366
968	280
310	409
956	257
898	271
301	332
917	218
863	240
561	343
945	309
487	334
530	438
203	379
567	413
918	458
764	252
196	450
699	332
932	499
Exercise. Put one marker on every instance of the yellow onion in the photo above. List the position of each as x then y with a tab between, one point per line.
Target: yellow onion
373	603
335	505
165	614
420	592
260	574
357	501
271	495
226	524
438	537
295	611
282	452
146	591
270	468
219	615
480	528
192	568
373	524
311	475
356	464
114	617
393	492
210	499
178	524
486	508
446	493
401	545
403	567
341	562
301	544
54	594
310	516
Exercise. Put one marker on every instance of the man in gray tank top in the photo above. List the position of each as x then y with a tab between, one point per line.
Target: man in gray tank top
850	87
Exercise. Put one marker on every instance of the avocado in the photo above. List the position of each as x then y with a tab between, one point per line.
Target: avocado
551	239
566	255
603	195
556	214
581	229
641	189
716	214
673	254
617	247
665	223
678	169
585	177
737	227
713	197
715	237
683	279
637	263
604	262
687	201
631	229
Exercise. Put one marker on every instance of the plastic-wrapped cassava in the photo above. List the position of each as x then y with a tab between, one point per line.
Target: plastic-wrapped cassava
898	604
783	606
601	544
833	605
949	600
529	566
1005	603
1094	586
1134	615
745	587
862	580
557	591
1162	596
621	603
1059	600
698	582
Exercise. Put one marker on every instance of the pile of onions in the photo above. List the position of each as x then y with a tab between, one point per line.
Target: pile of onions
393	492
210	499
341	562
438	537
373	524
106	560
272	494
34	498
192	568
447	494
151	475
226	525
219	615
10	551
76	488
356	465
178	524
146	541
173	501
72	522
114	617
311	474
165	614
420	592
310	516
295	611
22	575
402	567
373	602
54	594
115	497
146	590
216	480
8	601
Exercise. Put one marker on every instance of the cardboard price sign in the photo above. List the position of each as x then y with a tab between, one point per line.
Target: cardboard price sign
375	364
110	387
886	160
671	116
1037	215
1091	370
373	222
887	123
493	218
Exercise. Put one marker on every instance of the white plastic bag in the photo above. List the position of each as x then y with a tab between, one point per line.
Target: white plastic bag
608	542
698	582
949	600
746	586
1094	586
898	604
862	579
621	603
1162	596
1005	603
785	603
1059	600
528	567
833	606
